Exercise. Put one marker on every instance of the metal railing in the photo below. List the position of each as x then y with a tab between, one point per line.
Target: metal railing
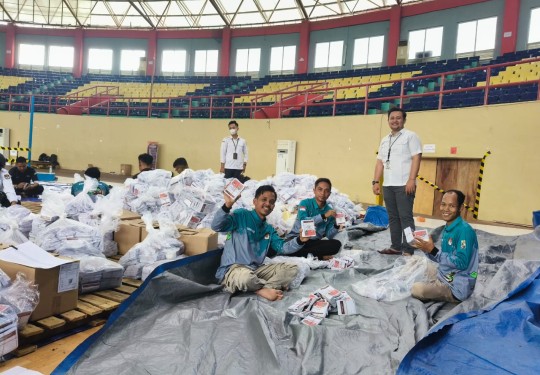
240	104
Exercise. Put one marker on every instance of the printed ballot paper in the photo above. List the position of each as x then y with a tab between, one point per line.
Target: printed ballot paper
410	235
308	228
234	188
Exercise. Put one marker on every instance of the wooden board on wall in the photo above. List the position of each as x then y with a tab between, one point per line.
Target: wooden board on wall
423	201
459	174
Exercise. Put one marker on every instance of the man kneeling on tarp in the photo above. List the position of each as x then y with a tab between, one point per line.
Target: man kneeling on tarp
248	240
455	278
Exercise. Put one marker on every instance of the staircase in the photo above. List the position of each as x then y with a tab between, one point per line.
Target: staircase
81	101
294	97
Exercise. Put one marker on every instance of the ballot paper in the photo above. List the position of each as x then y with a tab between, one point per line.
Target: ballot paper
410	235
311	320
340	218
308	228
234	188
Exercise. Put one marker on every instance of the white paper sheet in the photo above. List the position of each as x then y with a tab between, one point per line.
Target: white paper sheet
31	255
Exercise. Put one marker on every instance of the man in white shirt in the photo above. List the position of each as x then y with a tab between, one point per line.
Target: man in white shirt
8	197
234	153
399	159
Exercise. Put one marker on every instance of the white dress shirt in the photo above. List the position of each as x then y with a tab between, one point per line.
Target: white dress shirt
6	185
229	146
402	146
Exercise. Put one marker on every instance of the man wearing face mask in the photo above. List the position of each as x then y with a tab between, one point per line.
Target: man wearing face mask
234	153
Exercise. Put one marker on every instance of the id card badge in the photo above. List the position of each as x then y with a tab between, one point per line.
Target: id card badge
387	164
235	156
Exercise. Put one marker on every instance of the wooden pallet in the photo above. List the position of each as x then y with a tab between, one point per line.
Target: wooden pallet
34	207
92	310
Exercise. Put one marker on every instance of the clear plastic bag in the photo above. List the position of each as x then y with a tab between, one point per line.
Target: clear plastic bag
9	230
302	264
23	296
395	283
55	235
160	244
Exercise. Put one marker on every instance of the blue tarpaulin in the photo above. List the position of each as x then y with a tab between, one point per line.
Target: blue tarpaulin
503	339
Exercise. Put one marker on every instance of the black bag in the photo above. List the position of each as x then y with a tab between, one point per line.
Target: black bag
4	201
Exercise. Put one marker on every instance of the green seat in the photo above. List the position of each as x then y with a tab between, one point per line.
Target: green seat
164	115
371	111
194	103
474	64
385	107
421	89
431	86
175	112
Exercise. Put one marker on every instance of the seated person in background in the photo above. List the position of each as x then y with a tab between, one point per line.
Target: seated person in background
93	172
248	240
455	277
145	163
180	165
24	179
8	197
324	217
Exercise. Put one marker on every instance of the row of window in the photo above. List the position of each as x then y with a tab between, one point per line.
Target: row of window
472	37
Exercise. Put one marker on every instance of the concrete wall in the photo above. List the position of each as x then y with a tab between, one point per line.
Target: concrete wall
342	148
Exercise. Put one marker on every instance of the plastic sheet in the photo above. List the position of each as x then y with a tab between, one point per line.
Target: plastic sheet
22	295
395	283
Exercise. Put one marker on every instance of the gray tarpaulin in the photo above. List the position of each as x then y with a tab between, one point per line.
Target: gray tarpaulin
182	323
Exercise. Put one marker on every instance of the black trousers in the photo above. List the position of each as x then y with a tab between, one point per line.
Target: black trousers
31	192
233	173
319	249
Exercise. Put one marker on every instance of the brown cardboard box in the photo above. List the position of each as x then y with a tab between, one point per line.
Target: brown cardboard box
129	215
51	301
197	241
128	234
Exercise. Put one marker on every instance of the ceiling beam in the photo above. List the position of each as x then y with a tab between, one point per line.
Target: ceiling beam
143	15
6	12
302	9
72	12
218	9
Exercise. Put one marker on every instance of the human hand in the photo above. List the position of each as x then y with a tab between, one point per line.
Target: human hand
20	185
410	187
303	239
425	246
222	170
229	201
329	213
376	189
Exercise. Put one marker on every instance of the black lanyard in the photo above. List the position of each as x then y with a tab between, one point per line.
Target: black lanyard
390	147
235	144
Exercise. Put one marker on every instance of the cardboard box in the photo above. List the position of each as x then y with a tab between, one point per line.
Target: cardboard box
198	241
129	215
129	234
58	286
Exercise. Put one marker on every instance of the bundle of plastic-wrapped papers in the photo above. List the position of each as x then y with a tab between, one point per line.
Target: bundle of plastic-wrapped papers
21	295
160	244
193	197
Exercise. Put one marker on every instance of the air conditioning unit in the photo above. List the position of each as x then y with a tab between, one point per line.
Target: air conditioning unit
286	156
402	52
423	55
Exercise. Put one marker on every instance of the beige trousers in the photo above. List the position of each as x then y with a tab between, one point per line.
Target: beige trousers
240	278
434	289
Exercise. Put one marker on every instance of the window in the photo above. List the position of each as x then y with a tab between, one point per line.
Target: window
61	57
476	35
100	59
282	59
248	60
368	51
130	60
206	61
329	54
534	26
173	61
425	43
31	54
